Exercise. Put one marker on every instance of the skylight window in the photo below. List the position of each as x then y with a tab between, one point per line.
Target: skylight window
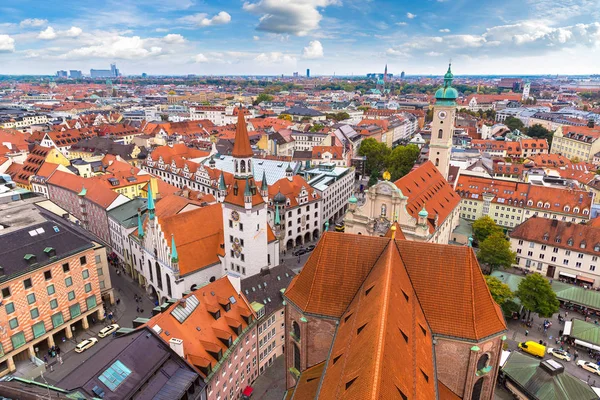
114	375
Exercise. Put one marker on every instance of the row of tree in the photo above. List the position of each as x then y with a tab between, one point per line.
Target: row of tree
380	158
535	131
534	292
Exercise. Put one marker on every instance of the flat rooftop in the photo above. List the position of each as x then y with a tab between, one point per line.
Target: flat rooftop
19	214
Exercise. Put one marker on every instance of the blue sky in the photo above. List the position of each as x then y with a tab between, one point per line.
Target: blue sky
283	36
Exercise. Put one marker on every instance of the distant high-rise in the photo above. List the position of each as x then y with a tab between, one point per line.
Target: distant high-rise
61	74
526	90
75	74
402	75
308	72
113	72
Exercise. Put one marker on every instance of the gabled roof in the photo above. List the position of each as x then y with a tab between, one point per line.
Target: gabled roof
291	190
98	194
426	187
238	198
241	146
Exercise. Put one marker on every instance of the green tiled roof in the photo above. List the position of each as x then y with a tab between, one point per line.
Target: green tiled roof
585	331
564	291
527	372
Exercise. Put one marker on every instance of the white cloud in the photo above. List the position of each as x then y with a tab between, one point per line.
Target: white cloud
410	15
275	57
200	58
117	47
33	22
313	50
401	23
201	19
397	53
7	44
47	34
74	31
433	54
445	30
161	30
294	17
174	38
256	38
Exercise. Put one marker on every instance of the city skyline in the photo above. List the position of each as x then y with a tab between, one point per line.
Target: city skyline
269	37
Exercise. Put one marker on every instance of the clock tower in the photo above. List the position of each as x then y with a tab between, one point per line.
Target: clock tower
442	127
244	212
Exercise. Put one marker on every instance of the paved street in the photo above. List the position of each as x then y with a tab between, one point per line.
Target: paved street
271	384
517	334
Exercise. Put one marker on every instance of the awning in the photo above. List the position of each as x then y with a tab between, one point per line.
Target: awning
567	275
588	345
585	279
568	326
248	391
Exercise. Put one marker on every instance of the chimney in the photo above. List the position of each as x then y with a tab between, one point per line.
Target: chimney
177	346
182	302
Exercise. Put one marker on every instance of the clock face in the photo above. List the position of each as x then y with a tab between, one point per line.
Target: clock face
442	114
235	216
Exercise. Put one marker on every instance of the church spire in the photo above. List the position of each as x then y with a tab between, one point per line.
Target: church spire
241	145
140	227
151	208
174	255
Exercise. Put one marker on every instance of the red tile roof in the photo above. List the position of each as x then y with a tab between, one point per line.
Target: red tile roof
426	187
35	159
241	146
291	190
337	152
98	194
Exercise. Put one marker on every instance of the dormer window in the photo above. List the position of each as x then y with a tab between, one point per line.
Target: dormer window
546	236
50	251
557	240
567	208
597	247
570	242
576	210
582	244
539	204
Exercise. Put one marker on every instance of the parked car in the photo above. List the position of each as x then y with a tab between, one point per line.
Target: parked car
86	344
299	252
589	366
310	247
560	354
108	330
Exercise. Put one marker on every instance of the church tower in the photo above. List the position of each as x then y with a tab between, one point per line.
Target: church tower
442	127
244	211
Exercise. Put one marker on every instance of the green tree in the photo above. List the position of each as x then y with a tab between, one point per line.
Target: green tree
401	160
376	154
316	127
495	251
484	227
538	131
500	292
429	115
364	108
286	117
340	116
536	294
262	97
514	123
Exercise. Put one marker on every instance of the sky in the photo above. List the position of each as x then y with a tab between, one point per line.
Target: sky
272	37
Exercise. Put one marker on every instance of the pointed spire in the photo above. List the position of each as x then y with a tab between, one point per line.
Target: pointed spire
222	182
277	216
247	191
241	145
174	255
151	208
264	186
140	227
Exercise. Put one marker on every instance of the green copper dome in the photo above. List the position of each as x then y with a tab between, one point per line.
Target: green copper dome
447	94
423	213
353	200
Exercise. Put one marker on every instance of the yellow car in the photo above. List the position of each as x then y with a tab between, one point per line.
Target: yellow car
108	330
86	344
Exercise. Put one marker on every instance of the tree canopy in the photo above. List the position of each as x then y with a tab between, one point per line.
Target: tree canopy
538	131
380	158
340	116
514	123
500	292
495	251
484	227
262	97
536	295
286	117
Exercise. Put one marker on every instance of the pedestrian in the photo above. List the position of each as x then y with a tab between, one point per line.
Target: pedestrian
566	314
118	301
575	355
58	350
135	297
588	381
138	309
45	359
526	332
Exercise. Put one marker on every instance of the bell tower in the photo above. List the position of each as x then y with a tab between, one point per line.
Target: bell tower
442	127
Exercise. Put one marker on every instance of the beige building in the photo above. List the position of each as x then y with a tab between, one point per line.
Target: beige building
578	142
265	293
559	250
422	203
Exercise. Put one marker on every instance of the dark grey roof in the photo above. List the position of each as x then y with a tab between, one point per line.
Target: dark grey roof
267	285
33	240
156	371
303	111
104	145
302	155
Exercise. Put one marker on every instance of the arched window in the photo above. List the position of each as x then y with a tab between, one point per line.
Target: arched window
477	388
249	166
576	210
383	210
440	134
150	270
212	279
242	166
158	276
437	162
296	330
296	357
169	286
236	166
483	361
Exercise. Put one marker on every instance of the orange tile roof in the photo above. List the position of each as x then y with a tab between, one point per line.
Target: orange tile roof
291	190
236	196
17	139
308	384
172	204
426	187
241	146
444	392
200	332
336	151
572	236
506	192
33	162
544	160
177	150
197	248
98	194
558	198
